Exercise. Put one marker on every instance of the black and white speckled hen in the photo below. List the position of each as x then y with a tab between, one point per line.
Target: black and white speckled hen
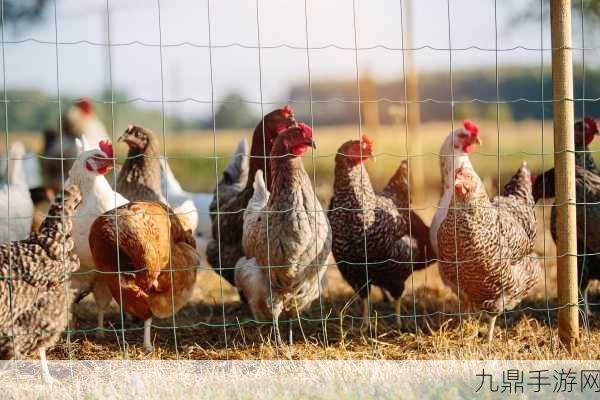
397	240
286	235
225	248
486	247
34	288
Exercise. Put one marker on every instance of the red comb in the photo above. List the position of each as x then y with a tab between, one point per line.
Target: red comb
533	179
306	129
591	123
366	139
85	105
106	147
471	127
288	111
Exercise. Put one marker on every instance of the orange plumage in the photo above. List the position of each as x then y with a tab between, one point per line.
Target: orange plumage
157	257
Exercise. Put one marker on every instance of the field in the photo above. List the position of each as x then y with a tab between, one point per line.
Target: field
215	326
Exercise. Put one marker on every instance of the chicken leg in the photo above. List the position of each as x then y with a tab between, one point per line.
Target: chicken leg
45	373
366	322
490	334
148	348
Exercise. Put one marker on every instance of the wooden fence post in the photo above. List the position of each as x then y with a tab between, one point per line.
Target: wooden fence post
564	162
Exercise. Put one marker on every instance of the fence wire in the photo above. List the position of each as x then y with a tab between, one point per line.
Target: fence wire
226	326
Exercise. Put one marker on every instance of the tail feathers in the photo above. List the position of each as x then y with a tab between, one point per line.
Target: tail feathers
398	185
238	166
65	208
520	184
261	194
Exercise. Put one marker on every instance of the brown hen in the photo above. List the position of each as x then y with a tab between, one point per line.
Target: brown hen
149	259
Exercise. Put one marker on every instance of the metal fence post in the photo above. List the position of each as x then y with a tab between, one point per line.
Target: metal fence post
564	161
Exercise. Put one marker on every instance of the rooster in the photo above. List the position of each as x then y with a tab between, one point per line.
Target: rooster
286	235
88	173
34	296
397	240
454	153
225	249
231	183
80	121
16	207
587	178
486	247
139	178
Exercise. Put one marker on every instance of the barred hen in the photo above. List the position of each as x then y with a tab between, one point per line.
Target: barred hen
139	178
149	258
286	235
34	288
486	247
454	153
397	240
225	248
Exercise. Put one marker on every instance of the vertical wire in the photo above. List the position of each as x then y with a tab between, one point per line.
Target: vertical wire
9	283
114	179
275	320
62	173
363	209
453	204
164	143
499	207
214	128
313	159
542	104
412	276
585	155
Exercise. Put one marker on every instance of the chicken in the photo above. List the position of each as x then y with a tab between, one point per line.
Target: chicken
588	221
139	178
225	249
35	298
454	153
153	272
79	121
88	173
583	157
486	247
232	182
286	235
16	207
396	239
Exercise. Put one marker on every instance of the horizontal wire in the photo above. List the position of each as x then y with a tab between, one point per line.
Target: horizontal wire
249	321
290	46
297	101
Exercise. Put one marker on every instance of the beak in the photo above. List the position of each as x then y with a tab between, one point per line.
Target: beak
478	141
311	143
374	157
122	137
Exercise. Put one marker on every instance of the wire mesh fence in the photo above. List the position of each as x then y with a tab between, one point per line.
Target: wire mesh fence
434	309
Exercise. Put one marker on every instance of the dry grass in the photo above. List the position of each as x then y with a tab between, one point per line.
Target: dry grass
325	332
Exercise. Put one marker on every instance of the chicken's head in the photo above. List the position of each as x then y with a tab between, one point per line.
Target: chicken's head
591	130
278	121
99	161
294	140
467	137
137	138
357	151
466	183
86	106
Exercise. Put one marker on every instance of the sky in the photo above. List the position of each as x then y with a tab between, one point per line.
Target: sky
182	68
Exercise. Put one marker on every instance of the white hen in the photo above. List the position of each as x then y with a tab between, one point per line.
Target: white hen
98	197
16	220
198	204
454	153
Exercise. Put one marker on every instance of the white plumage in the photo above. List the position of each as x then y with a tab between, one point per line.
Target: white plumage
16	220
